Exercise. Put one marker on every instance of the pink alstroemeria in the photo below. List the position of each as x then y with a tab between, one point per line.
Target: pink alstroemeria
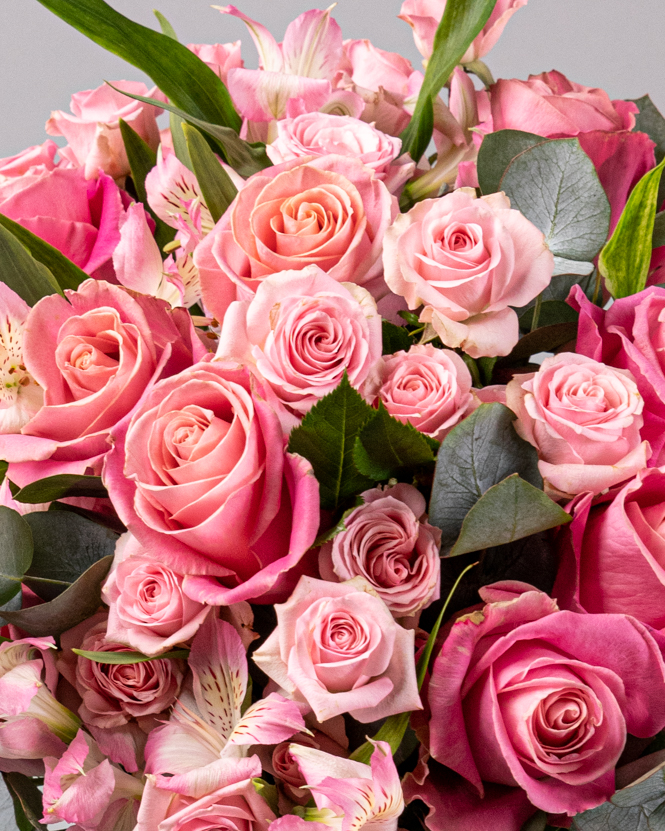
84	788
301	67
210	724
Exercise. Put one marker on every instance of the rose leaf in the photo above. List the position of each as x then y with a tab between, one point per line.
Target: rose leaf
395	338
59	487
15	552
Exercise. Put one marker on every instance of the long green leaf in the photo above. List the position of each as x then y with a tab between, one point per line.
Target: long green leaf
185	79
128	657
22	273
216	186
624	261
461	22
165	26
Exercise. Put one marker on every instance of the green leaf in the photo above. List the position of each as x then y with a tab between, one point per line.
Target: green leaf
63	270
551	313
477	454
509	511
385	446
79	602
546	339
486	366
61	486
165	26
326	438
658	230
497	151
639	807
15	552
462	20
142	158
65	546
216	186
624	261
21	271
27	799
395	338
650	121
556	186
129	657
185	79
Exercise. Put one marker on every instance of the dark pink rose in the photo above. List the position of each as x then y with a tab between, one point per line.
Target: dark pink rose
389	543
220	57
284	766
328	211
533	705
631	335
32	160
202	480
94	353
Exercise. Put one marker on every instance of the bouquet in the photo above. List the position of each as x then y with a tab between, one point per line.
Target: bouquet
332	431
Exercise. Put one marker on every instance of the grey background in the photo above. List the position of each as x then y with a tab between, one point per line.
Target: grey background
615	44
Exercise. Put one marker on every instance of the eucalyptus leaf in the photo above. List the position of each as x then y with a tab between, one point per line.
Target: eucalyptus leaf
21	272
116	658
649	120
15	552
639	807
61	486
11	606
552	312
555	185
658	238
216	186
395	338
562	266
546	339
497	151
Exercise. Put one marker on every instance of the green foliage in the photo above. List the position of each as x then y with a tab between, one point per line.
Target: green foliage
395	338
27	799
129	657
15	552
658	230
497	151
22	272
639	807
61	486
216	186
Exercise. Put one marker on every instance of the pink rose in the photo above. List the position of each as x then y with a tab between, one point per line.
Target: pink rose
338	649
81	219
584	418
631	335
283	764
94	353
148	609
92	128
33	160
220	57
424	16
613	555
427	387
319	134
467	261
531	706
389	543
220	796
114	694
328	211
202	480
303	330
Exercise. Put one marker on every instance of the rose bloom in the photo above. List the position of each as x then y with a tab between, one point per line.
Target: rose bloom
319	134
81	219
220	57
148	609
202	480
613	555
303	330
427	387
630	335
338	649
328	211
114	694
584	418
94	353
33	160
283	765
531	706
92	129
388	541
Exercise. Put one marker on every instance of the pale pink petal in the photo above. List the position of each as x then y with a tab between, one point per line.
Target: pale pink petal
312	45
270	721
264	96
270	55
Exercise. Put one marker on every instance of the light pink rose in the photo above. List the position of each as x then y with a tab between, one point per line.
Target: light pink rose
81	219
467	261
427	387
531	706
202	480
389	543
32	160
303	330
148	609
319	134
94	353
92	129
114	694
328	211
424	16
338	649
584	418
220	796
220	57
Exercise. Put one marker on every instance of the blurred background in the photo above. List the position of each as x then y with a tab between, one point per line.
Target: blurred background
614	44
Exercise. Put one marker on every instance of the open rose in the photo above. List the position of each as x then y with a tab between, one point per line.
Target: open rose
338	649
328	211
584	418
467	261
531	706
388	542
92	129
202	480
427	387
303	331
